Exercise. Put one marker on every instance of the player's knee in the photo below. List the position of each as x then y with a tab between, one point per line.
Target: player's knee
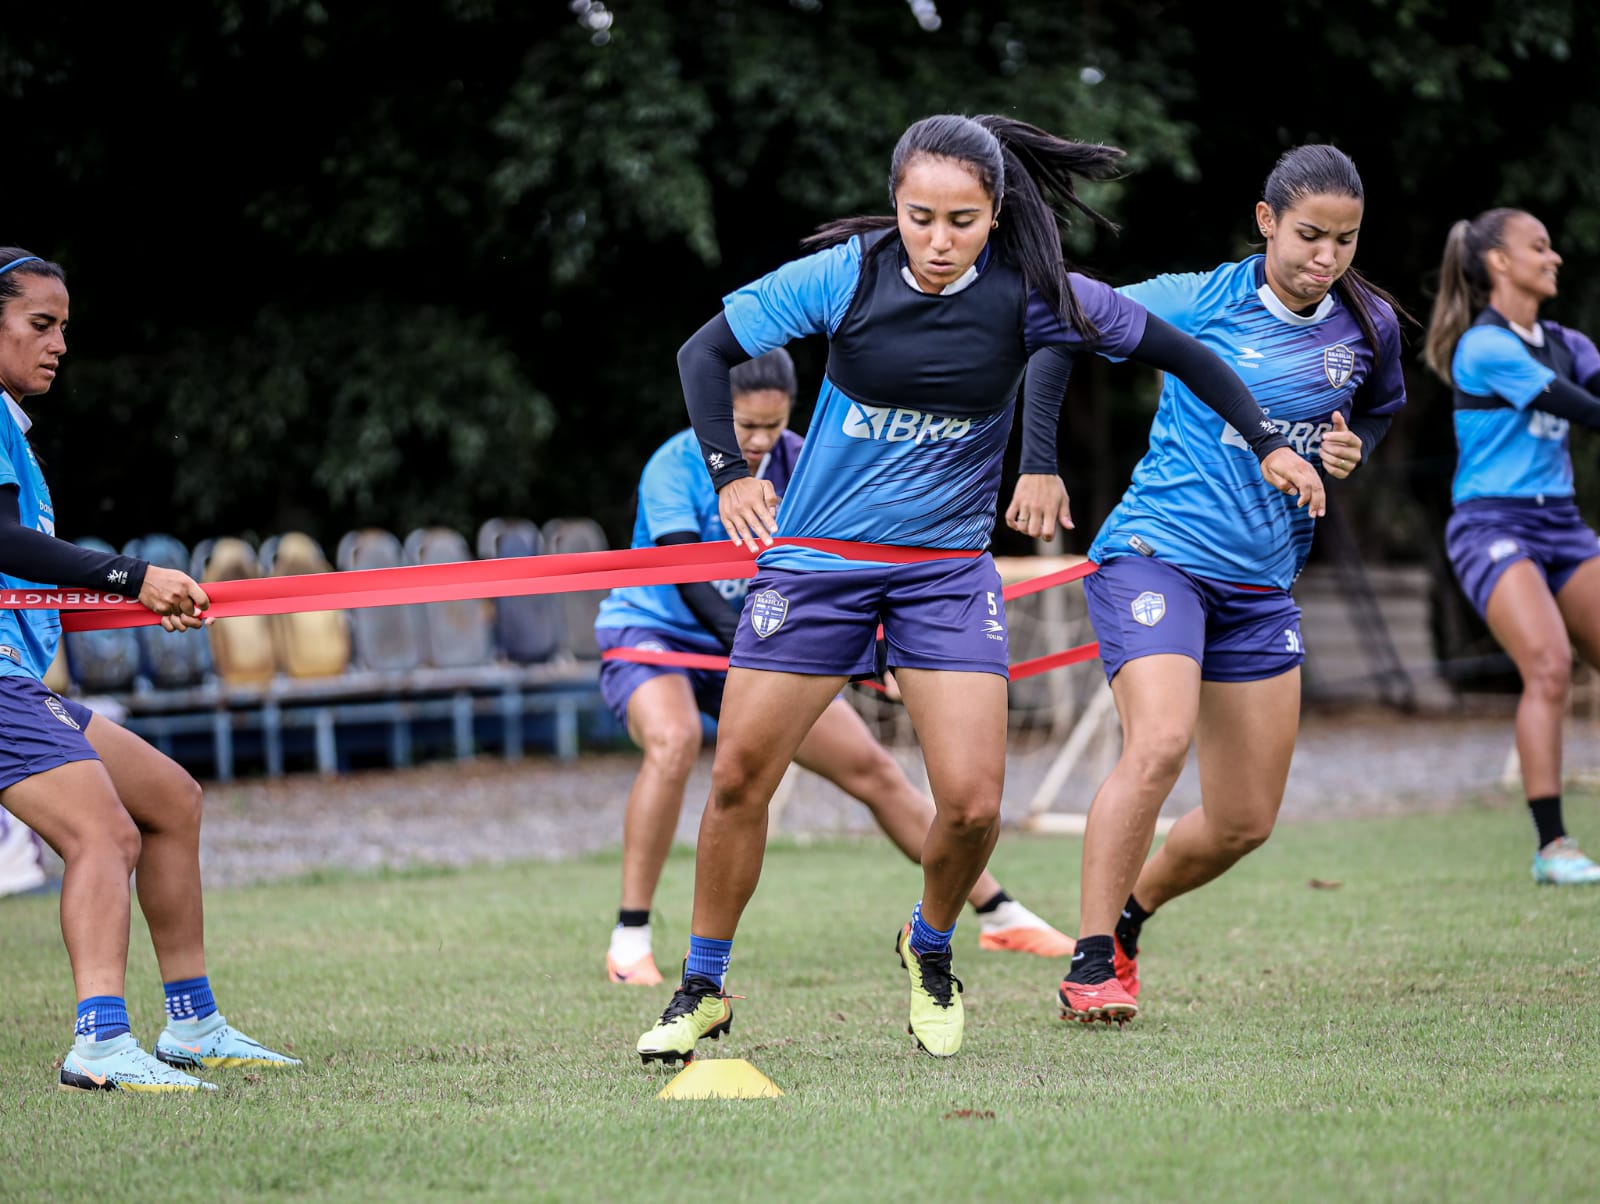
1547	673
671	748
111	839
1157	757
973	815
875	775
738	779
1244	835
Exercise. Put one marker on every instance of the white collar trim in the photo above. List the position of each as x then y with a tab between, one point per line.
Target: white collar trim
1535	337
1284	314
955	286
17	416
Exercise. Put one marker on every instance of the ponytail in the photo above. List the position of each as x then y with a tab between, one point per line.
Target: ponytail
1463	286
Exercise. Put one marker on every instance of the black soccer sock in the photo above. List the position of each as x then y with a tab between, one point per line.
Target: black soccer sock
1127	931
1000	897
633	918
1546	812
1091	963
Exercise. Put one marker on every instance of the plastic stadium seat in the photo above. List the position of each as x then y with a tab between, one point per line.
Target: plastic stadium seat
577	609
457	634
241	647
527	629
102	661
384	637
313	643
172	659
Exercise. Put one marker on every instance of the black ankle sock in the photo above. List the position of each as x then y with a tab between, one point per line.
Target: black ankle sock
1091	963
1000	897
1546	814
1127	930
633	918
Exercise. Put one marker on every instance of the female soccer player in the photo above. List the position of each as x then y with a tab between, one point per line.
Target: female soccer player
1520	549
661	705
931	314
1198	633
101	797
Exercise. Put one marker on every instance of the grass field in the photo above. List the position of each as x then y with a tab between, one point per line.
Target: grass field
1428	1030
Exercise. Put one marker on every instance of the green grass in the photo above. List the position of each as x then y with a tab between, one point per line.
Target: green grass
1428	1030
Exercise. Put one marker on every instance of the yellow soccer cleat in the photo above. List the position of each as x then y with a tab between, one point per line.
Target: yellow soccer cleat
699	1009
937	1018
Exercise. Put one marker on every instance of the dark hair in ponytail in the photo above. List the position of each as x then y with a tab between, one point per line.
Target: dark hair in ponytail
1031	176
1321	170
1463	286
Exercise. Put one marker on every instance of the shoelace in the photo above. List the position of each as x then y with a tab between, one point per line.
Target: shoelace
689	998
937	979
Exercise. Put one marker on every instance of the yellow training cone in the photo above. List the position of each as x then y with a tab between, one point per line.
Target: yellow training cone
719	1078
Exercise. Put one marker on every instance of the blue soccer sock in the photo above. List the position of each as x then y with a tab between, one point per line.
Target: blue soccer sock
708	959
189	998
925	938
101	1017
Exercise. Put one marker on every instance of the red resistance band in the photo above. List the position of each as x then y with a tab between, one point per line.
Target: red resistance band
1018	671
557	573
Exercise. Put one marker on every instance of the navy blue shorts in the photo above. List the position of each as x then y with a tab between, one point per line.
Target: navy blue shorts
619	679
936	614
39	730
1486	536
1141	606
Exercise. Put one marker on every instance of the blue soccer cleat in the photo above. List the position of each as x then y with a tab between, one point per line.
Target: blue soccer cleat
211	1043
1562	863
120	1065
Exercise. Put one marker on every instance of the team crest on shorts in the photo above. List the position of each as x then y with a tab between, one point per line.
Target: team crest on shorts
651	646
1149	608
61	713
1338	362
768	610
1501	548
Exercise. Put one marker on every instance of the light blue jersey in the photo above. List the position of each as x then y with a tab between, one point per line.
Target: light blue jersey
1197	499
28	638
1508	447
676	495
911	454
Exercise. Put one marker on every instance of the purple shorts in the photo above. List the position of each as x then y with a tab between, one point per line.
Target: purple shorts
1141	607
937	614
1486	536
39	730
619	679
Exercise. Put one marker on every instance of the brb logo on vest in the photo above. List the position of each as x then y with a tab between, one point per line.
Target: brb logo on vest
894	425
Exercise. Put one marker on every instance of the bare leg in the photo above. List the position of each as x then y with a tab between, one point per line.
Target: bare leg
75	810
960	720
1158	698
841	749
766	716
1245	738
1579	601
1529	626
664	721
165	803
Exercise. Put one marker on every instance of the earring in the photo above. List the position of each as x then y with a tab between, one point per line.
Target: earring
995	225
